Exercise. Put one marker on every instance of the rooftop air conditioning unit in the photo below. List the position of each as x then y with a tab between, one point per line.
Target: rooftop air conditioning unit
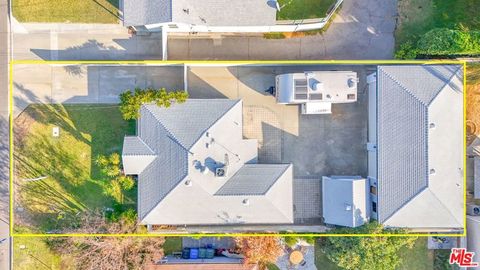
221	172
473	210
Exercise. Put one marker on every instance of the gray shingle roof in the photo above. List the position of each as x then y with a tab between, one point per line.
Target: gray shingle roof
174	135
402	156
144	12
186	123
423	82
206	12
170	132
134	146
253	179
403	99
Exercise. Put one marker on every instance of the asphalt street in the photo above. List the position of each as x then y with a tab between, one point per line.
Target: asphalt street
4	138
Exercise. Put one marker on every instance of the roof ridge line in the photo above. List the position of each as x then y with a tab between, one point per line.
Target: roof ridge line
448	210
446	84
216	121
405	203
149	148
160	122
402	86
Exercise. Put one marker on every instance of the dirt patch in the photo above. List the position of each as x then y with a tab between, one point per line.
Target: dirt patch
473	102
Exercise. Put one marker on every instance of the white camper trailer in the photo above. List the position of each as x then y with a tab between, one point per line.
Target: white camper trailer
316	91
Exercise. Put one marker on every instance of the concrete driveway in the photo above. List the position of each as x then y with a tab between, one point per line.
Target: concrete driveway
87	84
361	30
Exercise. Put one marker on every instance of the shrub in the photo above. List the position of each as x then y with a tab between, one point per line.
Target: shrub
369	253
407	51
130	102
443	41
117	183
274	35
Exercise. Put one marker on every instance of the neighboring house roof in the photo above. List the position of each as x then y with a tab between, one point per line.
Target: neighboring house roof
420	146
345	200
189	141
473	236
207	12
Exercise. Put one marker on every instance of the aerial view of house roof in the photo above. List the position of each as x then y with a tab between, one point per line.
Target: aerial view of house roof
194	167
209	12
345	200
420	152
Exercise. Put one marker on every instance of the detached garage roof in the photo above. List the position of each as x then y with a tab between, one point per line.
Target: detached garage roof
420	146
205	12
176	154
345	200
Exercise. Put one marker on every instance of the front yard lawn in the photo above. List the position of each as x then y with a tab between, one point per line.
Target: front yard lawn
416	17
73	182
66	11
303	9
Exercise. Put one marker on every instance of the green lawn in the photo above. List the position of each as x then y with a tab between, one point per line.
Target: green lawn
321	260
74	183
66	11
33	253
419	257
419	16
303	9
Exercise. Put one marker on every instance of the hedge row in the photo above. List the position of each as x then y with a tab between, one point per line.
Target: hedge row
442	42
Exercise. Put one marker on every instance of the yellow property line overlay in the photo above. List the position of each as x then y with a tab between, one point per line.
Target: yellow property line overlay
219	63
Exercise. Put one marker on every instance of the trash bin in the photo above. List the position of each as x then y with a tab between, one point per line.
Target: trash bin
202	253
186	253
194	253
210	253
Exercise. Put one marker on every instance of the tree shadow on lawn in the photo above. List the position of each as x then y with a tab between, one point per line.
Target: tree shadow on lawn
73	185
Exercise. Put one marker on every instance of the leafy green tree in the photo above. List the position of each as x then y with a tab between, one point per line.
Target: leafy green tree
117	183
130	102
369	253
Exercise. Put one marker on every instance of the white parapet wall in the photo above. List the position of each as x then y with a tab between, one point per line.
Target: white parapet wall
295	26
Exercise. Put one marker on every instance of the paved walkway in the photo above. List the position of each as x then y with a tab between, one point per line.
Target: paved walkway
362	30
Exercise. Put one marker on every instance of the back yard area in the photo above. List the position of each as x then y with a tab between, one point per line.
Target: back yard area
303	9
416	17
66	11
419	257
56	178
